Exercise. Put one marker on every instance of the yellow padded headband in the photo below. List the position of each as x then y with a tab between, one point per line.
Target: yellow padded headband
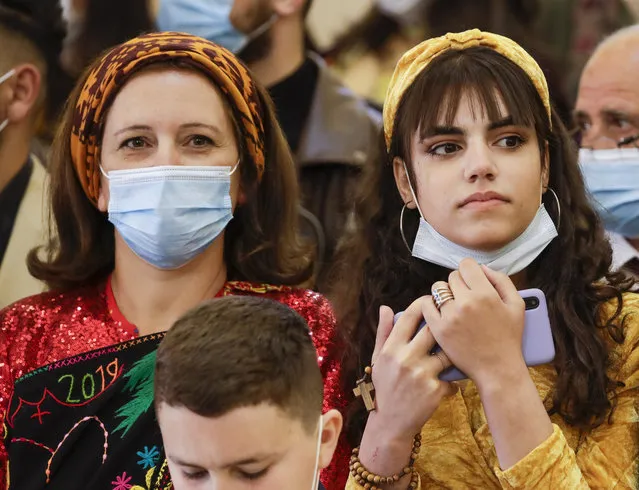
414	61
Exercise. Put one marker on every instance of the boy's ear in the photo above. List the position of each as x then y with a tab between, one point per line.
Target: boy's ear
331	430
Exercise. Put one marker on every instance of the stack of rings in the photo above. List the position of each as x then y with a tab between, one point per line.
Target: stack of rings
441	295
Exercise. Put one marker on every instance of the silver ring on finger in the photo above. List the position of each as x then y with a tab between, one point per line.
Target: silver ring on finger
441	295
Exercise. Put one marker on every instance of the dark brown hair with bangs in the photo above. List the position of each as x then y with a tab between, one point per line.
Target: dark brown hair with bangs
492	83
376	268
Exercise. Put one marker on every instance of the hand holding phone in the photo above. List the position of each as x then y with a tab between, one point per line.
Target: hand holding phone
537	343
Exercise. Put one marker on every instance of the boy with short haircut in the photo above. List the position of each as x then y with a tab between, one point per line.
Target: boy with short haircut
238	396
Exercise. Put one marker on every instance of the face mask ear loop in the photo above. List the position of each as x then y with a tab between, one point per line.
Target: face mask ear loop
235	167
401	229
3	79
7	75
258	32
412	191
317	453
104	173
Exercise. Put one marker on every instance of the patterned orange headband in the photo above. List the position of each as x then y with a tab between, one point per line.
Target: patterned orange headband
414	61
117	66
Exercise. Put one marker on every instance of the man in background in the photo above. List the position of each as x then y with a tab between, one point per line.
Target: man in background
31	89
94	26
607	118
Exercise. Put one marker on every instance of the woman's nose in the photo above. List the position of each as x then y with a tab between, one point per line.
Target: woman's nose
479	163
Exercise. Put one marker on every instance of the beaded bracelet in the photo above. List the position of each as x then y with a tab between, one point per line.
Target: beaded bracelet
370	481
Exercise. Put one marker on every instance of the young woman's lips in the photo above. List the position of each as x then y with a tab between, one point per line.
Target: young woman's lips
483	200
482	205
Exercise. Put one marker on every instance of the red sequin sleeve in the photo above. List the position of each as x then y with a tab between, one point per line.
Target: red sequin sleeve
319	315
6	386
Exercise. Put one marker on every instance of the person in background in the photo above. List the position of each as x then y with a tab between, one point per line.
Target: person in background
32	88
333	133
574	28
93	26
607	121
480	198
238	397
171	183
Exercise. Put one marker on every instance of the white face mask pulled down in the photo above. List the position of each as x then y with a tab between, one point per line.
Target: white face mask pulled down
316	476
512	258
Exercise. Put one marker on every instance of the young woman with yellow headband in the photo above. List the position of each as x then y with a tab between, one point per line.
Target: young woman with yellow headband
171	183
491	202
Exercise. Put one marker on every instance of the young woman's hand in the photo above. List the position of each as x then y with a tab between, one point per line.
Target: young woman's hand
407	389
481	329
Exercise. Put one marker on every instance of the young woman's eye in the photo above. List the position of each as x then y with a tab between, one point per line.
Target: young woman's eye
200	141
512	141
444	149
195	475
134	143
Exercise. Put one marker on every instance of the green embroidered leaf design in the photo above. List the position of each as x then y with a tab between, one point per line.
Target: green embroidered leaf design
140	384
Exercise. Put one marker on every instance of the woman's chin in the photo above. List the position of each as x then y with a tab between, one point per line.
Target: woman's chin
485	235
483	241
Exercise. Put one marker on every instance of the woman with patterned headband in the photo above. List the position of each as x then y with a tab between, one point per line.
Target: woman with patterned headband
170	183
490	202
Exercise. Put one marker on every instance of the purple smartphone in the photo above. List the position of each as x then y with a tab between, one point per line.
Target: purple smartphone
537	343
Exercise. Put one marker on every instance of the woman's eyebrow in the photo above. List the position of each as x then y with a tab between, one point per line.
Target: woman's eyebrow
196	125
136	127
454	130
502	123
442	131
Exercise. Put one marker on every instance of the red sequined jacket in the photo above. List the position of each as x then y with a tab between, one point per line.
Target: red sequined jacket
52	326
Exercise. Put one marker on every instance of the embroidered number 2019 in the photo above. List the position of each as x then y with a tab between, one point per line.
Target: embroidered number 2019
87	383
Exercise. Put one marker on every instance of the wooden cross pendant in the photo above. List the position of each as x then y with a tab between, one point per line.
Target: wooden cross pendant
364	389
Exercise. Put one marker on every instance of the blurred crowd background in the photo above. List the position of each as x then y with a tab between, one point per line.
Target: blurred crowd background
360	40
364	39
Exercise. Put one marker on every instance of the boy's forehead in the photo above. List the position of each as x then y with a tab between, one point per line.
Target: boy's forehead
247	433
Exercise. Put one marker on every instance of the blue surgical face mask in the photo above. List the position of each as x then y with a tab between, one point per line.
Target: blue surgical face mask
168	215
407	12
612	178
205	18
209	19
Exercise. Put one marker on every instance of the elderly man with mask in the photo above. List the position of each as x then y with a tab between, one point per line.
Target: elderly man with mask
607	116
333	133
